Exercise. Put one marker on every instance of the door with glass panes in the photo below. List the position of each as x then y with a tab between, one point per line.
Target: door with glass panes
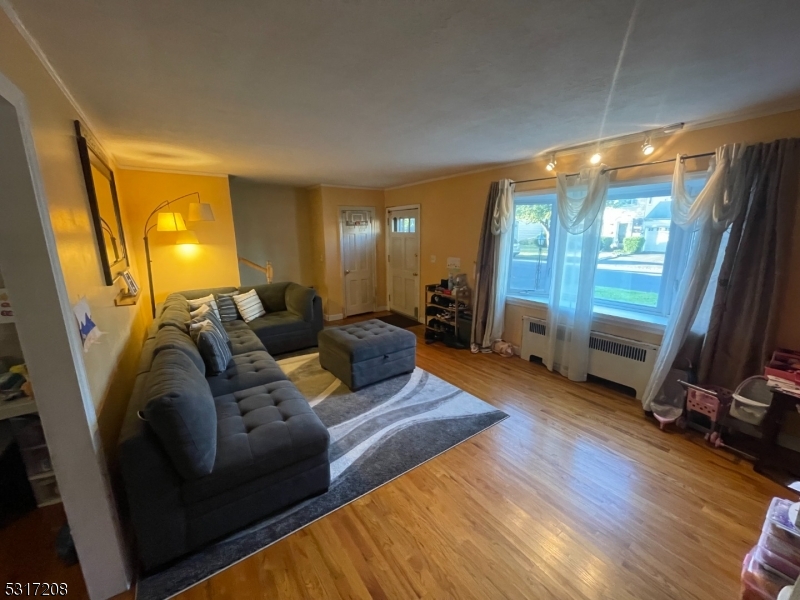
403	261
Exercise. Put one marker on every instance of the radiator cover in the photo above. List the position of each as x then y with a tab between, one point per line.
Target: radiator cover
624	361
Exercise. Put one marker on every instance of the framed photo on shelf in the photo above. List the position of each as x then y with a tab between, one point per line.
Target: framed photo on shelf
133	287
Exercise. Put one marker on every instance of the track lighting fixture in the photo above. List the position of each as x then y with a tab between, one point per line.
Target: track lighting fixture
647	147
552	164
596	158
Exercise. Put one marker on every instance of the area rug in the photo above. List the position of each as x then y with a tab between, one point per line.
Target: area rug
377	434
399	320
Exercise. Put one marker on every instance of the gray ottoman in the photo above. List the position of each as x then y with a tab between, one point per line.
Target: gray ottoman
368	352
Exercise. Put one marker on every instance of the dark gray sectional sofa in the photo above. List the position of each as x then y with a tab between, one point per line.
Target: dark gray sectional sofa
202	456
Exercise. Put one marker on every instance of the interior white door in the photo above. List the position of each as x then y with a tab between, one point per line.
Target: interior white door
358	261
403	261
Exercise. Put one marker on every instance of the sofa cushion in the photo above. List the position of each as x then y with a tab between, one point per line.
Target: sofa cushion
259	431
172	338
237	325
244	340
300	301
176	299
278	323
213	347
366	340
249	305
209	316
273	295
227	307
174	315
180	409
245	371
198	303
194	294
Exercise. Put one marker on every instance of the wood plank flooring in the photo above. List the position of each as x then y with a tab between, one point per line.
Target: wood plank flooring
575	496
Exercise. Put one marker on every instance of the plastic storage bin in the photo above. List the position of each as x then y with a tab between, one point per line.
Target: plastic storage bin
37	460
779	535
775	561
45	490
759	581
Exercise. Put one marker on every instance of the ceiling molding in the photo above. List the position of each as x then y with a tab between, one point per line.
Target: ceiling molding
37	50
170	171
350	187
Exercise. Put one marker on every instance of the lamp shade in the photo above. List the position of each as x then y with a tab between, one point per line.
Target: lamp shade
170	221
186	237
200	211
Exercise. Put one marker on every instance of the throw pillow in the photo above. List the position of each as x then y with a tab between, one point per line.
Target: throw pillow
213	348
209	316
204	308
249	305
198	302
227	307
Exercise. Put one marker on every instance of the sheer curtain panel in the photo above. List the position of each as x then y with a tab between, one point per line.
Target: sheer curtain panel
580	200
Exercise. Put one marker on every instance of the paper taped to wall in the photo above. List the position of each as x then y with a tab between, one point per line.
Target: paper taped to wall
90	334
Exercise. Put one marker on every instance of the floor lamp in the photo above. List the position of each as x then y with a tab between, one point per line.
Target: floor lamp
173	221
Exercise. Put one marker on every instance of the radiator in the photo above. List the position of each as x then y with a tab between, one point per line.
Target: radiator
616	359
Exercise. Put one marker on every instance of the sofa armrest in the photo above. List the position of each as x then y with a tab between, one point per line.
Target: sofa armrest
153	490
300	301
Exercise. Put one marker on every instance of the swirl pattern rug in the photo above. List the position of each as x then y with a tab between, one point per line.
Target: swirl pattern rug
377	434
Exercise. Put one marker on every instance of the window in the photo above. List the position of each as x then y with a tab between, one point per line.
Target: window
534	220
640	251
404	225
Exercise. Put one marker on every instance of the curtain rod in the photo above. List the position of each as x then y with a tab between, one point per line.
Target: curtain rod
647	164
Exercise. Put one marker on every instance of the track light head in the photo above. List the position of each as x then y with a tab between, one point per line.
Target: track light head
596	158
647	147
552	164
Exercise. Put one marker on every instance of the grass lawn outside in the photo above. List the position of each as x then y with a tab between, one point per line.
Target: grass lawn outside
627	296
532	253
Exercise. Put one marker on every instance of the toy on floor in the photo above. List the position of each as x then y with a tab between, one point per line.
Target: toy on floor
749	404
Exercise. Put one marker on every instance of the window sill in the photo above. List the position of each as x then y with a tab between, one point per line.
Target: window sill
644	322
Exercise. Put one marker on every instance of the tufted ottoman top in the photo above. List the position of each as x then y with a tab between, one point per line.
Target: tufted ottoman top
366	340
259	431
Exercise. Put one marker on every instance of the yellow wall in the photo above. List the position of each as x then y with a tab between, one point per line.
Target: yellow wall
52	116
452	208
325	202
212	263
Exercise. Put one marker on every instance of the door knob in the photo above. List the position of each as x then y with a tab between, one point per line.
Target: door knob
347	272
416	274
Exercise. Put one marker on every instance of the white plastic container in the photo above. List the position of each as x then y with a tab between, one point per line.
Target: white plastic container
751	400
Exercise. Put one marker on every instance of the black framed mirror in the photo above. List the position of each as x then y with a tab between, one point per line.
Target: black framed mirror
103	202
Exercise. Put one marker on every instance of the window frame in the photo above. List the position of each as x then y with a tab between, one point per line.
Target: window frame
546	196
674	257
677	246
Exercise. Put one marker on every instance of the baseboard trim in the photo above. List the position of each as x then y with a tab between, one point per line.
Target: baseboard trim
336	317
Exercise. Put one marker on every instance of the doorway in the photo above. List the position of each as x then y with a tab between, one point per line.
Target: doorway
358	260
402	259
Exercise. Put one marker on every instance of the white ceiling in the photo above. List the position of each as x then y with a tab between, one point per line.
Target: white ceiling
384	92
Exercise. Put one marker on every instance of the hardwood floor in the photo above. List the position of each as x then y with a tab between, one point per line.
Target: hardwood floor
28	552
575	496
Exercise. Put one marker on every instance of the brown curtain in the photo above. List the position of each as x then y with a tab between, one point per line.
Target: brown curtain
485	276
744	318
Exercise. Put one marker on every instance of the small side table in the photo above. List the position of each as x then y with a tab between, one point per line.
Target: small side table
774	461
